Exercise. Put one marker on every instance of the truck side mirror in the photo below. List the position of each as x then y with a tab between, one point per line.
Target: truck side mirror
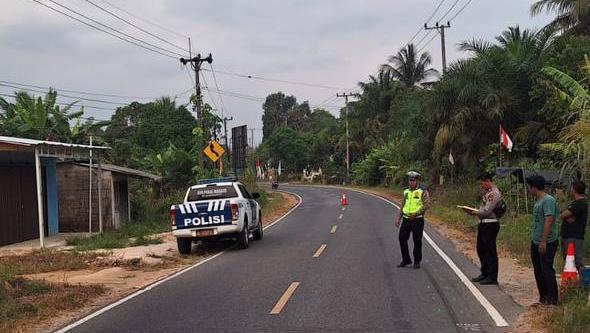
255	195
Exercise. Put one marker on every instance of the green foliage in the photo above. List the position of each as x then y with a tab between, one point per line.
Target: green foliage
41	118
573	316
387	164
140	130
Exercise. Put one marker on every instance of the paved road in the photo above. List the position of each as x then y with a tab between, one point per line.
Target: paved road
351	286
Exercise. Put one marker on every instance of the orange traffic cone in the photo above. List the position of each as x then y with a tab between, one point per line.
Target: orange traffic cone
570	273
343	200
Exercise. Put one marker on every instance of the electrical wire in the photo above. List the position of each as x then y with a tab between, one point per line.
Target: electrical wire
103	30
210	95
460	10
217	86
68	104
63	95
136	26
144	20
78	91
255	77
427	21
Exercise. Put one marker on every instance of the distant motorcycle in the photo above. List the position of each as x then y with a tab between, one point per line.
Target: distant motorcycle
275	185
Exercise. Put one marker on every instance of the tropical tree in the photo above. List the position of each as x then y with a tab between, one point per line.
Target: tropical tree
571	15
576	135
491	88
408	67
43	119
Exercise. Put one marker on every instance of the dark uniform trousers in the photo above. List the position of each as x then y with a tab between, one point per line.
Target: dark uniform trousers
416	228
486	249
545	273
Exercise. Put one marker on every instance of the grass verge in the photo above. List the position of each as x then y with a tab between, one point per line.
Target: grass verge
24	301
130	234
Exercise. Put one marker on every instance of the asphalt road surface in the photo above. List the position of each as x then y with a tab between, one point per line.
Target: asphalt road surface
321	269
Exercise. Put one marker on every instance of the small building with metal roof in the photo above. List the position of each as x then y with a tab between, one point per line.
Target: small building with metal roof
29	206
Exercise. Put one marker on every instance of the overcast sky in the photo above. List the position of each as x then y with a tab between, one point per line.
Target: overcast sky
326	42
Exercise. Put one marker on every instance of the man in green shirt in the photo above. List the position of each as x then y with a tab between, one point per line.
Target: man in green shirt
544	240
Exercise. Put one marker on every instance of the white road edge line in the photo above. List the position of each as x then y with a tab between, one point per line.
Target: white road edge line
491	310
159	282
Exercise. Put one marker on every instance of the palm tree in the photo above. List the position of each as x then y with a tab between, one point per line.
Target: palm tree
492	87
408	67
571	15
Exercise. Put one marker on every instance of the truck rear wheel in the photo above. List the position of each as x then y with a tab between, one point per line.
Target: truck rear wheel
185	245
259	232
244	237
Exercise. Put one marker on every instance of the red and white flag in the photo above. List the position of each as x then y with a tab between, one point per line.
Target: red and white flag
505	140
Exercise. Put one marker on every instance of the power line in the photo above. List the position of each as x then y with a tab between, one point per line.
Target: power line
68	104
62	95
255	77
113	29
210	95
460	10
136	26
427	21
427	43
105	31
217	86
449	10
145	20
78	91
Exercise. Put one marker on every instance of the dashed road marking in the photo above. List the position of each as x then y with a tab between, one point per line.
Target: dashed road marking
340	217
284	298
319	251
334	229
343	208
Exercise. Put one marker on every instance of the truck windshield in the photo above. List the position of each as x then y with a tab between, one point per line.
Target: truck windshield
211	193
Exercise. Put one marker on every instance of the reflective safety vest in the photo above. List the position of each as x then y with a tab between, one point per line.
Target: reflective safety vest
412	201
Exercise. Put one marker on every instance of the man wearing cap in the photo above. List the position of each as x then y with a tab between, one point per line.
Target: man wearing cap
411	219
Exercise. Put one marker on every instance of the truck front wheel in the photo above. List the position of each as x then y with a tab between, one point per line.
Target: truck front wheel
185	245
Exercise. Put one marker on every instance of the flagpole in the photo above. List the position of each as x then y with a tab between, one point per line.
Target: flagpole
500	145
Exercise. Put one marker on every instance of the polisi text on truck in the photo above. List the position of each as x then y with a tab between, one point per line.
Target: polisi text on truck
199	221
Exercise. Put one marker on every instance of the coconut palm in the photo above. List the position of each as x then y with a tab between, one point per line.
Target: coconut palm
571	15
408	67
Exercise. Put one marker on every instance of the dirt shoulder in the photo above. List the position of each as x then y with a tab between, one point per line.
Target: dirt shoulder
119	272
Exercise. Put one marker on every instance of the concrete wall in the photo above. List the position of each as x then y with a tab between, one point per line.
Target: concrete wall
73	186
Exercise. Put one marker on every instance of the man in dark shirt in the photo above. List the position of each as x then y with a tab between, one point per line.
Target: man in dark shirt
573	225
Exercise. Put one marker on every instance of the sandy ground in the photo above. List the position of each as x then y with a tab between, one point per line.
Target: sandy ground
516	280
123	271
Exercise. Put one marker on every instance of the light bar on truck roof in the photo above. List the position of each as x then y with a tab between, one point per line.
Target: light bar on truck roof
217	180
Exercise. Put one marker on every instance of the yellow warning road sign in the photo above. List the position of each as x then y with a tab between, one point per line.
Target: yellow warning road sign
214	151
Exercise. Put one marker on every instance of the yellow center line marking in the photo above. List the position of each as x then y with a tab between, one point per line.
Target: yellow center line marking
340	217
284	299
319	251
334	229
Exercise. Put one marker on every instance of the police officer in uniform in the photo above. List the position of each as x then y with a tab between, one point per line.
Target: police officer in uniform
411	219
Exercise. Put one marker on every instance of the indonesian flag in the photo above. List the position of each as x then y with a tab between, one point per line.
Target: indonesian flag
505	140
451	158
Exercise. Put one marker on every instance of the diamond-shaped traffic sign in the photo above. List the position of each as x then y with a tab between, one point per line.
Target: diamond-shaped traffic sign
214	151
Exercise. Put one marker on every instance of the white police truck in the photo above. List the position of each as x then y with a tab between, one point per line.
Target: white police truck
215	209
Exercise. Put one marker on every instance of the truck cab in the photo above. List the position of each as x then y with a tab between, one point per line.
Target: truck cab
215	209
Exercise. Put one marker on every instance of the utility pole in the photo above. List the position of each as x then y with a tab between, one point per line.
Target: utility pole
346	95
225	120
196	63
441	29
252	138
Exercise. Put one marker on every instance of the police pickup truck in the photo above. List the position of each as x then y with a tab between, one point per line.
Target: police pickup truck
214	209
